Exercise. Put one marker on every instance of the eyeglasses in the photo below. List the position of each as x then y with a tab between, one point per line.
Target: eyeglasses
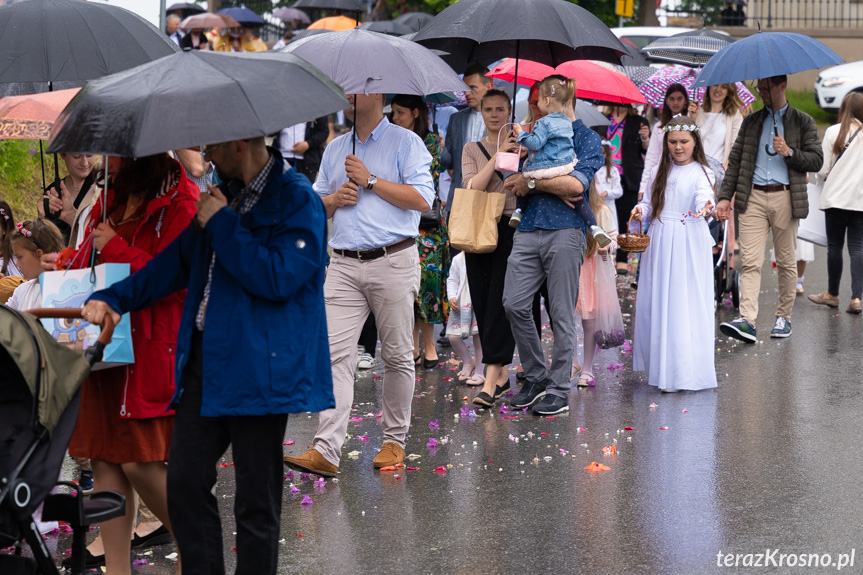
760	91
208	150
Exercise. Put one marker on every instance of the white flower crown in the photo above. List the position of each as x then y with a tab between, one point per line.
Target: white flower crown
679	128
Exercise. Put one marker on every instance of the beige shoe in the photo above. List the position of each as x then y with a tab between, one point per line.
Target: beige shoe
312	462
825	299
390	454
854	306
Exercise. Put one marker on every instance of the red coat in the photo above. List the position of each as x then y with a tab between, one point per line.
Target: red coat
149	382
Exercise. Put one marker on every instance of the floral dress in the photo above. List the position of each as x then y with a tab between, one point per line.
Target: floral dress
432	305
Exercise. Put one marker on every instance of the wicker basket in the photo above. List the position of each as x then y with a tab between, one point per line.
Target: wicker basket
633	242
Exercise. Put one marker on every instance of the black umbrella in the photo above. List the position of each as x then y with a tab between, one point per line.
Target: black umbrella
547	31
158	106
390	27
414	20
48	44
186	8
344	5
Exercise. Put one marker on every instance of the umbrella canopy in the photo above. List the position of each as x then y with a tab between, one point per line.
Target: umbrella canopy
291	14
390	27
693	48
244	16
592	117
414	20
350	5
546	31
208	20
766	54
186	8
654	88
364	62
594	82
31	117
74	41
306	33
334	23
157	106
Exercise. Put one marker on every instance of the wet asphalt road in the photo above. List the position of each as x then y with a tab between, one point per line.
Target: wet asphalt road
768	461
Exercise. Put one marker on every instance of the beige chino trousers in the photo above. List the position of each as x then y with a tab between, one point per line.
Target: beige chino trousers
767	212
387	287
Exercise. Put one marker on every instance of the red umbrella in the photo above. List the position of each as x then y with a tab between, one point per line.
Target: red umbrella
594	82
31	117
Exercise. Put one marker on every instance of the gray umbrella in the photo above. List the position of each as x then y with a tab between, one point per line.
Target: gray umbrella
414	20
158	106
390	27
688	48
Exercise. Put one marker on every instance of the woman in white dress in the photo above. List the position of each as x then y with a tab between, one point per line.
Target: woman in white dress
674	318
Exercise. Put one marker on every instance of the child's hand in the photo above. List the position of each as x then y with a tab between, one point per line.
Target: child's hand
453	305
636	213
516	128
706	210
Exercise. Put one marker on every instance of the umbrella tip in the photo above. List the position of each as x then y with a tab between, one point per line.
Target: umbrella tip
759	25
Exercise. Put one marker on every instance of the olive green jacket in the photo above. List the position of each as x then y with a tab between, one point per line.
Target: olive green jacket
801	135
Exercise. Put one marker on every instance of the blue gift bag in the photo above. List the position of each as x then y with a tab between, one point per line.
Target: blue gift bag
71	288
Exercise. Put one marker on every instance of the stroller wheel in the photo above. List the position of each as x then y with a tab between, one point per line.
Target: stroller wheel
735	289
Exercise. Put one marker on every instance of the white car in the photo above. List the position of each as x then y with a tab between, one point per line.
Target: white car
836	82
641	36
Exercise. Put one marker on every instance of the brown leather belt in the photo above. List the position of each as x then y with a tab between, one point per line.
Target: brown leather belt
375	253
773	188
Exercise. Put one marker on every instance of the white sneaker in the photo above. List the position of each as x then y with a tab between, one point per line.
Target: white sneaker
366	361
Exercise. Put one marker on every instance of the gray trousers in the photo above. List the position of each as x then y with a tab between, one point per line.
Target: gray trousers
555	256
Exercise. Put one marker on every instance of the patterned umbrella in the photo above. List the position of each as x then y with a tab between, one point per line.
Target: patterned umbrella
688	48
655	87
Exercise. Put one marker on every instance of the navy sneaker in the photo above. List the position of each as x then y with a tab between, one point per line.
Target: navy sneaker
85	481
782	328
551	405
740	329
529	394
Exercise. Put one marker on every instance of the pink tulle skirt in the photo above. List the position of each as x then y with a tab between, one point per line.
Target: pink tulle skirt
586	307
549	173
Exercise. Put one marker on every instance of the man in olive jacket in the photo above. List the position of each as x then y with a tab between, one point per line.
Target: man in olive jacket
766	176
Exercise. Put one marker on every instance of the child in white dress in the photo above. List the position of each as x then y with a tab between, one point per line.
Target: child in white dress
607	182
674	317
32	240
462	323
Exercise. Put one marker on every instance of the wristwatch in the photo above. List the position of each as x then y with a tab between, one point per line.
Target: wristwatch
790	153
531	184
372	181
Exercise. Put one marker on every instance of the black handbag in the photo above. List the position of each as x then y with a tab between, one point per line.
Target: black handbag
431	219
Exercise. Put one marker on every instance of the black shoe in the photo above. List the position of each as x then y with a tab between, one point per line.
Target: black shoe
90	561
443	340
499	390
484	399
430	363
551	405
520	376
160	536
530	393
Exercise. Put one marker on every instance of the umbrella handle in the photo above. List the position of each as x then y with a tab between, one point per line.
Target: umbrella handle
94	352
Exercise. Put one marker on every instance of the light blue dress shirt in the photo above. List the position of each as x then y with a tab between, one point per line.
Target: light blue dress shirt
770	170
390	153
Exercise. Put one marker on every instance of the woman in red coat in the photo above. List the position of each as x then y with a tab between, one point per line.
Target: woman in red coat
124	426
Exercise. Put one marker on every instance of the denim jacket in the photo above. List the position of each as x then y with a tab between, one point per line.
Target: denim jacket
550	143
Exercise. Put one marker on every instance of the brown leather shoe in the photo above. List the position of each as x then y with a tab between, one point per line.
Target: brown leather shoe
390	454
825	299
854	306
312	462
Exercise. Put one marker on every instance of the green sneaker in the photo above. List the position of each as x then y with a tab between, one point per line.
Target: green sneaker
740	329
782	328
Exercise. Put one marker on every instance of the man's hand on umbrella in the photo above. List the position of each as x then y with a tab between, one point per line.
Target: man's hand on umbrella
94	312
347	195
209	204
781	146
356	170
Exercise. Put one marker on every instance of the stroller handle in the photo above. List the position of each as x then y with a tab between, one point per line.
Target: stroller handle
93	353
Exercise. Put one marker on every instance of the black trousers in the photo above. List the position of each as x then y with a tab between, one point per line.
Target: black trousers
624	205
369	335
196	447
840	223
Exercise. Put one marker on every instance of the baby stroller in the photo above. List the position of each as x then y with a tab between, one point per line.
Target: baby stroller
725	277
40	383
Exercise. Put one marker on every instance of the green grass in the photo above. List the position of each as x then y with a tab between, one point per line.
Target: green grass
805	102
21	176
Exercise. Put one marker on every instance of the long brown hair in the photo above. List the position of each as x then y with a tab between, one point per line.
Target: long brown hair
729	106
657	200
665	112
141	177
7	227
596	204
411	102
608	160
851	109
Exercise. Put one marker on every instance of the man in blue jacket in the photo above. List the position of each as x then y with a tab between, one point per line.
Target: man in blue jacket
254	274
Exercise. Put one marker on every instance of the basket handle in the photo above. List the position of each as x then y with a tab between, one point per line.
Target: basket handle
628	224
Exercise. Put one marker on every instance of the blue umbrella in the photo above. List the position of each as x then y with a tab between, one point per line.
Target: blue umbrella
244	16
763	55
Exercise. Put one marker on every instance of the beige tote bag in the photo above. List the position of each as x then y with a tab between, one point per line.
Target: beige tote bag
473	220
